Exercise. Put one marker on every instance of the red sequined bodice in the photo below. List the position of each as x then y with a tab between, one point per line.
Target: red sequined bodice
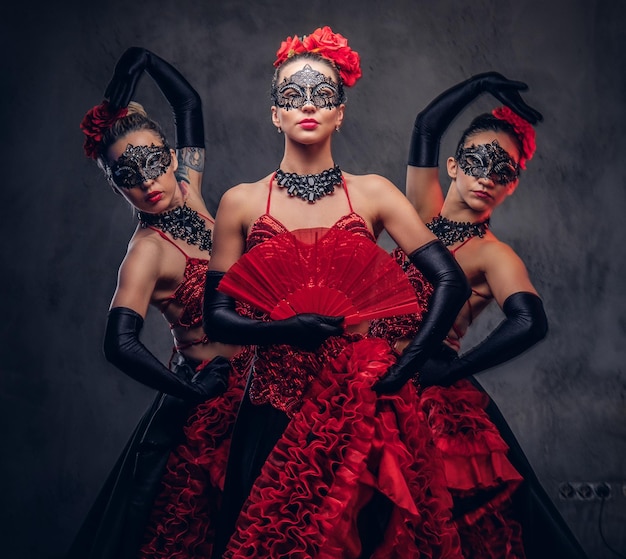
282	373
267	226
189	294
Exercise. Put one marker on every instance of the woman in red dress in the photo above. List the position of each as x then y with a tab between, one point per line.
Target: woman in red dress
165	266
500	509
330	456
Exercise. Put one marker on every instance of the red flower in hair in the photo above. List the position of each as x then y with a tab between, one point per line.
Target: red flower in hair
95	123
329	45
524	130
289	47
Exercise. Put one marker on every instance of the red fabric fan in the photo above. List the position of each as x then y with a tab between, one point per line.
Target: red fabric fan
326	271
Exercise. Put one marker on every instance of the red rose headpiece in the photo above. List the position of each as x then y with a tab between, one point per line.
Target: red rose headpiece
524	130
95	123
329	45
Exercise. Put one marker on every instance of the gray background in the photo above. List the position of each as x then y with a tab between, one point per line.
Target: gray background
65	413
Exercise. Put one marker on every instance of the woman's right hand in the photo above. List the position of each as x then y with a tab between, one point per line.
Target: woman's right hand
123	348
222	323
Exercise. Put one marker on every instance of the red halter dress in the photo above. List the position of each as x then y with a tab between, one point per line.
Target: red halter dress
312	476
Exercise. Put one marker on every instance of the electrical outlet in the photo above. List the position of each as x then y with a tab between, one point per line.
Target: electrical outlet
586	490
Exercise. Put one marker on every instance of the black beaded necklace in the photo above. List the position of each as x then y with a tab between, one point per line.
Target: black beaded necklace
309	187
450	232
182	223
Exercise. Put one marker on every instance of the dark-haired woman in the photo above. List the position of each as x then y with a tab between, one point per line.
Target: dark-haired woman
500	508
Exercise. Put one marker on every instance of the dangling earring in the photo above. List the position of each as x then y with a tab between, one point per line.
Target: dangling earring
337	128
279	130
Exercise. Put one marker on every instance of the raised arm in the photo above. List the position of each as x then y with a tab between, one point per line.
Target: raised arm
183	99
423	188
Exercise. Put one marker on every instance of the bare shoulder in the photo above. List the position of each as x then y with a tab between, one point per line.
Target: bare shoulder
369	183
246	193
504	269
145	249
140	270
494	252
373	190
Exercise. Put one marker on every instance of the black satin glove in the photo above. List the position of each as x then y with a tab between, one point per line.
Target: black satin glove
223	323
123	348
433	121
525	325
450	291
183	99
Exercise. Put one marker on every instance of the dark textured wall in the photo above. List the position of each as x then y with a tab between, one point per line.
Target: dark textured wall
65	413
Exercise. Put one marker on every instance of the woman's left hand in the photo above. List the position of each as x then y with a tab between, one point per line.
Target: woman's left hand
128	71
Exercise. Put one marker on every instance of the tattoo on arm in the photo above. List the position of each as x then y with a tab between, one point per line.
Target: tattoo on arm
189	158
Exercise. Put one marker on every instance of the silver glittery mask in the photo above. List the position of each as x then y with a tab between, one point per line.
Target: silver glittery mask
138	164
307	86
488	161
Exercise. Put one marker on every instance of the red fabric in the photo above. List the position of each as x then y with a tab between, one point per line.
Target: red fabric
419	449
325	271
343	443
479	476
183	519
404	325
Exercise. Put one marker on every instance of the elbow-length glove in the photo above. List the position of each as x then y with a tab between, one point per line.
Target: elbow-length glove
224	324
181	96
525	325
432	122
123	348
450	292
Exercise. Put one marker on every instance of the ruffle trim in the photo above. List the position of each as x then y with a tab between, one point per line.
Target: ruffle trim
342	445
473	451
182	523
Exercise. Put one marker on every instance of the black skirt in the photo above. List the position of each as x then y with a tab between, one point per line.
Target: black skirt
115	524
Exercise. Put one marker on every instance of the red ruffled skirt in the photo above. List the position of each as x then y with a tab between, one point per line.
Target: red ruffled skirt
434	455
342	445
479	476
183	520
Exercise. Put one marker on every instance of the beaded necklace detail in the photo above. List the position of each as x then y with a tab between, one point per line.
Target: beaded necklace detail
450	232
182	223
309	187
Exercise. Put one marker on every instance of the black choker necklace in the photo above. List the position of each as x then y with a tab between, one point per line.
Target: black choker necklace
182	223
309	187
450	232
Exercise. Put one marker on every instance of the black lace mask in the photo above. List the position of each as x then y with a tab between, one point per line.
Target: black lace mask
488	161
307	86
138	164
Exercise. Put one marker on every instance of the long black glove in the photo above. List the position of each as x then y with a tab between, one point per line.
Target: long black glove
222	323
525	325
183	99
433	121
451	290
123	348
